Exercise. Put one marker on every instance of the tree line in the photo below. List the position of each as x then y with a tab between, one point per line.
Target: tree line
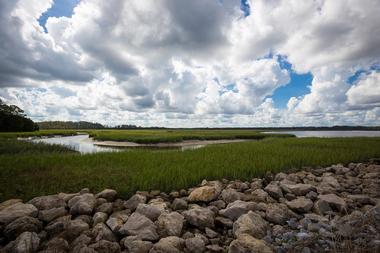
13	119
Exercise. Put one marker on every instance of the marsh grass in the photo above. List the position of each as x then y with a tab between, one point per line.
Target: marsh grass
31	173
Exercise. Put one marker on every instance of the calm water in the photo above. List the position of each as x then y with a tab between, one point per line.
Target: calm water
331	134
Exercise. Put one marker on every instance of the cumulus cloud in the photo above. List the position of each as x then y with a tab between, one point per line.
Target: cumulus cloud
191	63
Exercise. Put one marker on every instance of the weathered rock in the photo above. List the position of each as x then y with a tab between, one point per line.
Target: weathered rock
27	242
248	244
297	189
150	211
51	214
300	204
134	245
105	208
48	202
170	224
134	201
235	209
277	213
224	222
99	217
22	224
17	210
58	225
334	201
104	246
138	224
195	245
82	204
206	193
74	228
252	224
259	195
220	204
101	232
200	217
179	204
321	207
117	219
230	195
9	202
274	190
360	199
57	245
171	244
108	194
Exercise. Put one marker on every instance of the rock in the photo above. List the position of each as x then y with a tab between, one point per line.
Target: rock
82	204
138	224
210	233
179	204
360	199
206	193
74	228
170	224
274	190
57	225
48	202
105	208
252	224
134	245
235	209
150	211
195	245
27	242
297	189
214	248
9	202
101	232
108	194
171	244
117	219
22	224
200	217
230	195
51	214
321	207
312	195
334	201
259	195
104	246
277	213
57	245
99	217
331	181
300	204
248	244
17	210
134	201
220	204
224	222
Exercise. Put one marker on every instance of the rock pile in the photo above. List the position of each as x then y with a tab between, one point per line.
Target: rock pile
313	210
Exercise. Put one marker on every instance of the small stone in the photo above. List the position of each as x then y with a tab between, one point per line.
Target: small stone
134	201
104	246
200	217
230	195
22	224
321	207
211	233
300	204
297	189
26	242
117	220
206	193
246	243
195	245
138	224
274	190
235	209
105	208
17	210
108	194
334	201
101	232
252	224
82	204
134	245
150	211
277	213
74	228
99	217
170	224
171	244
179	204
51	214
48	202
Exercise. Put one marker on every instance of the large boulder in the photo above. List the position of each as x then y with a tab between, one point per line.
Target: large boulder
51	214
200	217
138	224
17	210
206	193
82	204
248	244
27	242
48	202
170	224
252	224
237	208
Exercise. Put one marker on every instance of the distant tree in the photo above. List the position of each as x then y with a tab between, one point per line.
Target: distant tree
13	119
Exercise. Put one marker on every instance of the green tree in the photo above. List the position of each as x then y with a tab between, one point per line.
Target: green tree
13	119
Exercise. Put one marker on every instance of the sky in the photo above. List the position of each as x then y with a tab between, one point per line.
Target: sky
199	63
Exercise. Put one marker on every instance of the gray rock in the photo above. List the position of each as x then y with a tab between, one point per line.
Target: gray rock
259	195
200	217
117	219
206	193
195	245
108	194
105	208
170	224
82	204
22	224
104	246
220	204
101	232
134	245
224	222
334	201
27	242
230	195
360	199
51	214
134	201
210	233
9	202
74	228
248	244
57	225
300	204
277	213
321	207
17	210
99	217
150	211
252	224
57	245
179	204
48	202
138	224
297	189
171	244
274	190
235	209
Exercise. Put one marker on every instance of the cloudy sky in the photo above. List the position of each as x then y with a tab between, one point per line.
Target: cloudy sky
198	63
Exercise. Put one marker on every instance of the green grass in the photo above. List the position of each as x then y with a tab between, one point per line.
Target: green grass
25	175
